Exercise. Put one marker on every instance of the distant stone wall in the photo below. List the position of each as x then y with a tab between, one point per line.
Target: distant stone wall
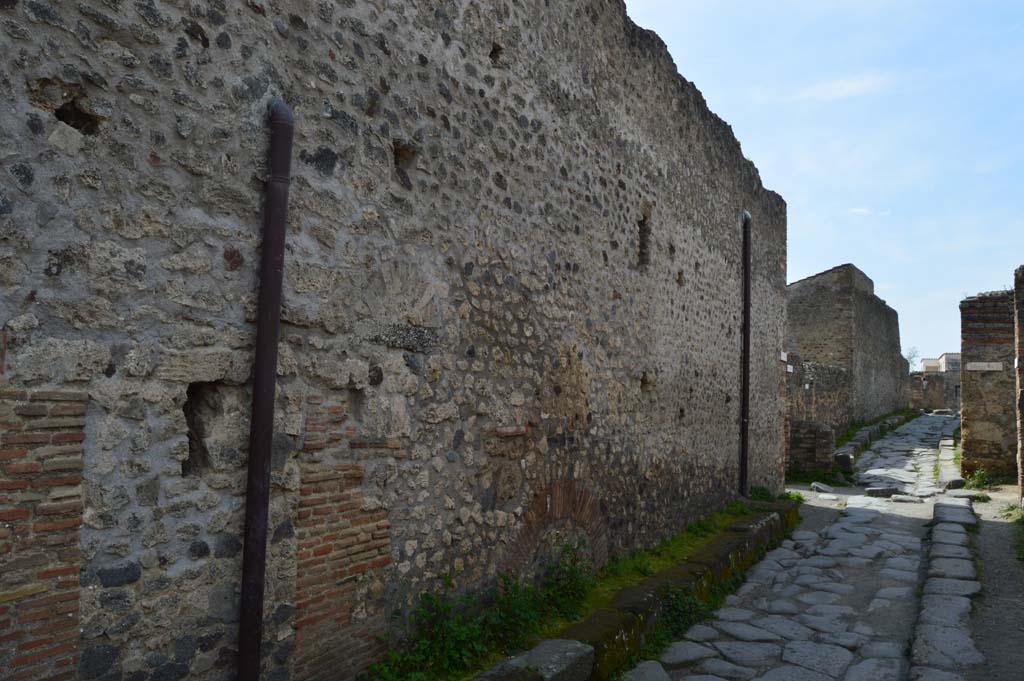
934	390
513	269
41	444
820	393
835	320
988	384
1018	288
879	369
811	447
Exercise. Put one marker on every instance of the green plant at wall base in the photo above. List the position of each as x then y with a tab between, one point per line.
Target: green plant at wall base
450	636
793	496
761	494
979	479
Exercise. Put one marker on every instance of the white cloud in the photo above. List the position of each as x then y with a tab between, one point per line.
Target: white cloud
861	211
843	88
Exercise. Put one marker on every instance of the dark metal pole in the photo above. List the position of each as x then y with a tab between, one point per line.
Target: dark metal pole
264	383
745	363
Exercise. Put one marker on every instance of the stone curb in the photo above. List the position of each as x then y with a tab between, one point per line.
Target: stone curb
618	632
844	456
943	647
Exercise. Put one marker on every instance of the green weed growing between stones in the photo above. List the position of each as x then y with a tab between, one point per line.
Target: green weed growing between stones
450	636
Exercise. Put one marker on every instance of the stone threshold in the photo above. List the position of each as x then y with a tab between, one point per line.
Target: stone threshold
602	644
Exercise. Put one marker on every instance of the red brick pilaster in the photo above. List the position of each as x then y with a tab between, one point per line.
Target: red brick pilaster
41	435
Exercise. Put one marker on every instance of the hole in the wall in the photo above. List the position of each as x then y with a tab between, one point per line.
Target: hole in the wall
73	114
405	161
202	403
495	54
644	235
680	277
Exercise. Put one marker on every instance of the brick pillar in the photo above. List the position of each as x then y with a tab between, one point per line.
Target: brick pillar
41	435
988	384
343	549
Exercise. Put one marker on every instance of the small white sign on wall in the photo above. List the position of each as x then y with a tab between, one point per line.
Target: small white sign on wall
984	366
783	355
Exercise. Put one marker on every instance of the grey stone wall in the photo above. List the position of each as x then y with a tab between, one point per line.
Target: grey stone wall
819	393
513	263
988	383
934	390
834	318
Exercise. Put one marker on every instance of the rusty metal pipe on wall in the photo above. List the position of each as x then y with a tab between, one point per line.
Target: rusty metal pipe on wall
264	383
745	363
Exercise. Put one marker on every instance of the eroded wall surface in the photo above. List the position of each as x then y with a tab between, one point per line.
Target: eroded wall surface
988	384
511	309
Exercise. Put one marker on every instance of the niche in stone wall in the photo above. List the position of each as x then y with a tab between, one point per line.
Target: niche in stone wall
217	416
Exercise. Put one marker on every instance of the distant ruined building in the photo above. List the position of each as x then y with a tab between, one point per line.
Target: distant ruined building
845	358
937	385
512	318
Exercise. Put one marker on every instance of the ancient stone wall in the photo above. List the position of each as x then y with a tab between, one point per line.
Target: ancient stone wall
819	393
513	269
811	447
1018	318
931	390
988	384
834	318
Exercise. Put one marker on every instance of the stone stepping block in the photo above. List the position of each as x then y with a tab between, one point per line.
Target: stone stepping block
955	515
784	627
558	660
888	669
682	653
906	499
949	551
954	538
745	632
749	654
819	657
951	587
945	610
952	568
727	670
647	671
945	647
950	527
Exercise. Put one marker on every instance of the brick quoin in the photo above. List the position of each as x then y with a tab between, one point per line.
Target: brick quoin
40	514
343	553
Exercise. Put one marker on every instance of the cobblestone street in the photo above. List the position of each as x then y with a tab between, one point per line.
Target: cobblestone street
867	596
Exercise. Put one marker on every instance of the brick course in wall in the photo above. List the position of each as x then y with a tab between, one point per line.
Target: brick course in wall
342	563
41	436
988	384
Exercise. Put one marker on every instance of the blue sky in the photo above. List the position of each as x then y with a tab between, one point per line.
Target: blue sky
893	130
